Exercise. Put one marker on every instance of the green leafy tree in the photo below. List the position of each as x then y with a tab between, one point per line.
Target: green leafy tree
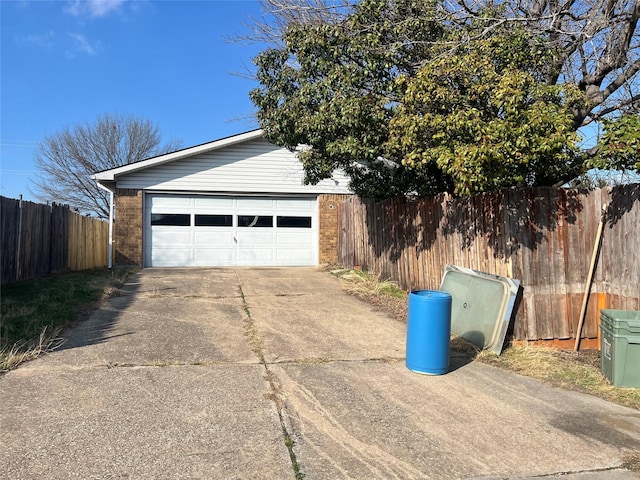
410	96
619	147
482	116
595	45
596	49
332	88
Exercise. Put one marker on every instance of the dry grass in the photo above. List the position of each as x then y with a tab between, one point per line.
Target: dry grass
631	461
28	350
35	311
578	371
388	298
362	283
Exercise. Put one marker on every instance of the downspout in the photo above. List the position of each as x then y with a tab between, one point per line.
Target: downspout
110	248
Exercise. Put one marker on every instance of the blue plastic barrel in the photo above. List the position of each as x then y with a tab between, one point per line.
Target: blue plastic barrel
428	332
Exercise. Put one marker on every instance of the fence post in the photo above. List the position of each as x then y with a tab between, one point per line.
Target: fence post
19	247
51	236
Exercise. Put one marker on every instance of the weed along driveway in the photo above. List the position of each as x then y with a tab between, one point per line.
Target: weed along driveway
277	374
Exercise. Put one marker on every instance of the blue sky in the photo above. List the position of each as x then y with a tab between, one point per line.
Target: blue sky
67	62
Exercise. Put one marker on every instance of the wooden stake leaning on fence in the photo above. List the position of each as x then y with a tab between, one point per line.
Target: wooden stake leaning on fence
592	269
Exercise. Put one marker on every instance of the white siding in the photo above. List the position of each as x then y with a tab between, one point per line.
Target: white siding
255	166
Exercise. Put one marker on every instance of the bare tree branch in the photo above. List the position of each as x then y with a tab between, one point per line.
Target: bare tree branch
630	101
596	42
67	159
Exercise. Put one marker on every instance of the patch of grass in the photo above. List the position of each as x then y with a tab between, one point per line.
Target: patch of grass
360	281
33	312
578	371
28	350
289	443
388	298
460	345
632	461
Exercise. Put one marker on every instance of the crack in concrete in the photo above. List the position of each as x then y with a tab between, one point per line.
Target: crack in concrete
261	361
199	363
187	295
280	295
291	295
322	360
275	393
207	363
577	472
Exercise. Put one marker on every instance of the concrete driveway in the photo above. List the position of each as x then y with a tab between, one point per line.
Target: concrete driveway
262	373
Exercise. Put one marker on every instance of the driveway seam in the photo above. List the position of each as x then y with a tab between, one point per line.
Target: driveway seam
322	361
275	394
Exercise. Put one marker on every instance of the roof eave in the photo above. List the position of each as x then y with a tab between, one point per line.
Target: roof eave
110	175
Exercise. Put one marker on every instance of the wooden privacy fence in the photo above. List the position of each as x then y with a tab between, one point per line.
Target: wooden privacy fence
543	237
38	240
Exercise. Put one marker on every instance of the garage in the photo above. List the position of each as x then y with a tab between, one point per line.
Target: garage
235	201
204	230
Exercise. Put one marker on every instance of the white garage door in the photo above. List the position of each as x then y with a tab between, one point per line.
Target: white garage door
185	231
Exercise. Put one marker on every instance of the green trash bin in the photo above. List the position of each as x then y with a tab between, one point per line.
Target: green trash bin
620	347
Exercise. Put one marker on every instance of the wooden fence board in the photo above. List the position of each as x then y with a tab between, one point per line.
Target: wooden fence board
38	240
543	237
9	218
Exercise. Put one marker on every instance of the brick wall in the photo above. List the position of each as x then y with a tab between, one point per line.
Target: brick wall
328	221
127	237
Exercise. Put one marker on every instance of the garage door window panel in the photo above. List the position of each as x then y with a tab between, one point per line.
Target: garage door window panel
258	221
171	219
214	220
293	222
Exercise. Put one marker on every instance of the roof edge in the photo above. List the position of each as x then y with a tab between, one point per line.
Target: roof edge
111	174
